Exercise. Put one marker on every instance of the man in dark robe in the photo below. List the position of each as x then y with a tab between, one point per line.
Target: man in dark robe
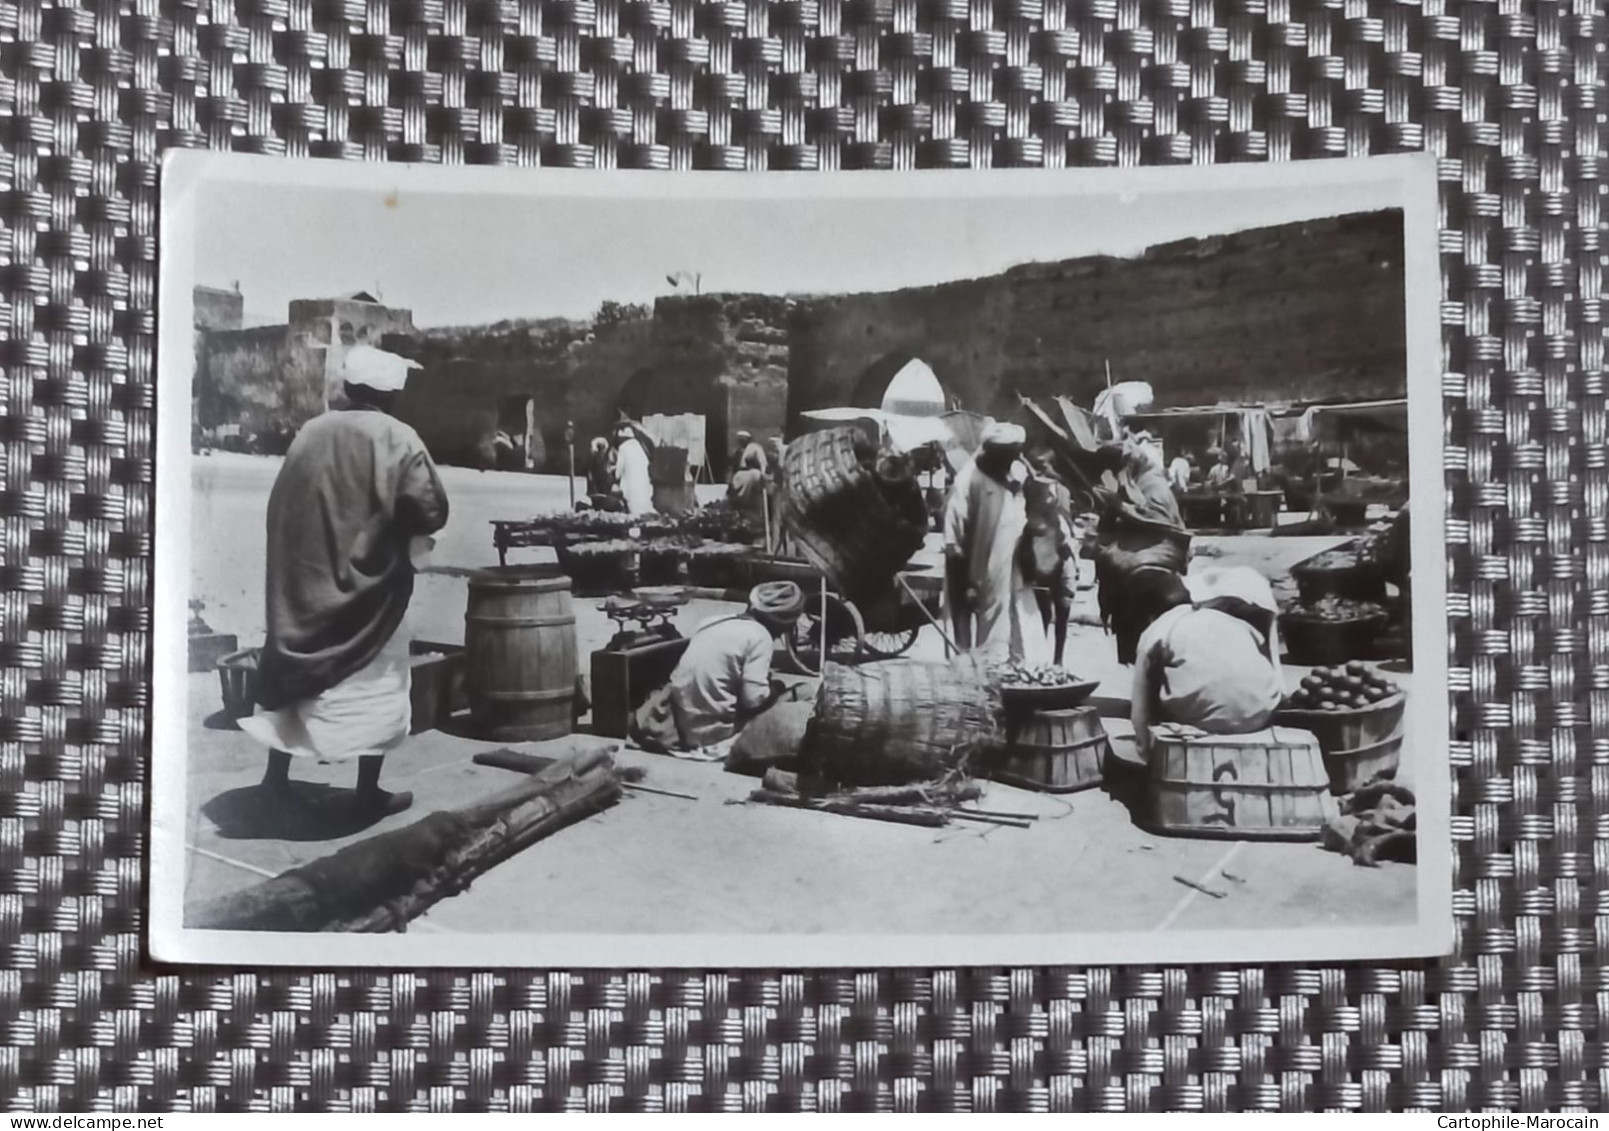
355	495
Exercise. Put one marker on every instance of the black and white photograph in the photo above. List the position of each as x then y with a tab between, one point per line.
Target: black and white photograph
894	569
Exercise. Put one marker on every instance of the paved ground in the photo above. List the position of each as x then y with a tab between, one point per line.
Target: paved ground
660	864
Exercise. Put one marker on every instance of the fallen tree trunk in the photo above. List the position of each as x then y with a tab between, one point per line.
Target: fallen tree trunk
382	883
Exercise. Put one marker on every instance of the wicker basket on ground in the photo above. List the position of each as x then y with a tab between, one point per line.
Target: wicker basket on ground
899	721
857	516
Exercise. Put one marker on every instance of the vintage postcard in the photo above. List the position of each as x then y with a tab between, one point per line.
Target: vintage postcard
636	570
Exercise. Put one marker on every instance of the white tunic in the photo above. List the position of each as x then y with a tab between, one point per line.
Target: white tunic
367	713
984	522
631	467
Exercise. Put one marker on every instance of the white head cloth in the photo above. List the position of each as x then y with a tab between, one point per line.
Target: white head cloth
1001	435
376	369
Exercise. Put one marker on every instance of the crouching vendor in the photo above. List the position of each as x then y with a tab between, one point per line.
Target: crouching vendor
1203	665
723	679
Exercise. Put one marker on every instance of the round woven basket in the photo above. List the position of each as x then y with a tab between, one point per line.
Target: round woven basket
899	721
856	524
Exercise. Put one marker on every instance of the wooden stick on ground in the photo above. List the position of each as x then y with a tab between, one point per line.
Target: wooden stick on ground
990	819
520	763
897	814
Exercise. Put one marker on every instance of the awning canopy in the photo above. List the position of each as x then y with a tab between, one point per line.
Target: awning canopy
1247	425
1334	421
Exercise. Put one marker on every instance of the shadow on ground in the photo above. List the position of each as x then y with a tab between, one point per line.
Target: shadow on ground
313	812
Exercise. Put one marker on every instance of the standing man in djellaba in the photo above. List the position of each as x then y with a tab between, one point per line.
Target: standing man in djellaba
356	496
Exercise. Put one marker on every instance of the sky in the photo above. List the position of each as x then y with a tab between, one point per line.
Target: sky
458	259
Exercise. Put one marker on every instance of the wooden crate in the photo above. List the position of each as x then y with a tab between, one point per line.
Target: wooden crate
1057	750
623	678
436	690
207	648
1267	785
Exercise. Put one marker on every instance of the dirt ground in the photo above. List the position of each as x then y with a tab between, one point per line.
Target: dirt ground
716	866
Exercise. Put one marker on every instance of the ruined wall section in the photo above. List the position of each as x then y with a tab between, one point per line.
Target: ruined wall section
261	380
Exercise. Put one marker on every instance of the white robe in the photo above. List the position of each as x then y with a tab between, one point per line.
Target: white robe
367	713
985	522
631	468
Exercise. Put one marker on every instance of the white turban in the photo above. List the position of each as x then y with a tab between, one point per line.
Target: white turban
376	369
1001	435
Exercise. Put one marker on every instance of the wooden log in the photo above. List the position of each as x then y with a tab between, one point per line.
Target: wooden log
897	814
383	882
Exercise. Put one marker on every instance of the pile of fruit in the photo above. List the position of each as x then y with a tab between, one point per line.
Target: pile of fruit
1333	608
1341	689
1015	674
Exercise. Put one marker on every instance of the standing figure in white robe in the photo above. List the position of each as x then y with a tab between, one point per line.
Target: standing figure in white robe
631	470
992	609
356	493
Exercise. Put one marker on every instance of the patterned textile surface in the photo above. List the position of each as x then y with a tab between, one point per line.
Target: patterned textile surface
1509	95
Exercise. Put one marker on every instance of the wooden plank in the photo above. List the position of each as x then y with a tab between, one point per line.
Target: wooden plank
1257	805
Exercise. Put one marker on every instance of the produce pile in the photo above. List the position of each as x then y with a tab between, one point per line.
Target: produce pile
721	522
597	525
1341	689
1331	608
1014	674
1342	557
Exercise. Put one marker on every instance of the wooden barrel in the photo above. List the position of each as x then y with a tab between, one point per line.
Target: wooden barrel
899	721
520	654
1052	751
1268	785
1359	744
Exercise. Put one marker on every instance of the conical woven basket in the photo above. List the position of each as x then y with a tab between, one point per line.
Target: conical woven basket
855	522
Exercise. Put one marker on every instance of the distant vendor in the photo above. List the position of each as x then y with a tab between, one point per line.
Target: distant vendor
1203	665
631	470
724	678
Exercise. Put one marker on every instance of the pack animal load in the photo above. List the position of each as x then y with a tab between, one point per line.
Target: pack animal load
899	721
857	514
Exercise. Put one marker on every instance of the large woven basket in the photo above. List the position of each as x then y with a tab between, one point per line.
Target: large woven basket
899	721
858	524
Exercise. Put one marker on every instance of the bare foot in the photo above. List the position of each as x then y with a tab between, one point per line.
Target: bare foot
382	803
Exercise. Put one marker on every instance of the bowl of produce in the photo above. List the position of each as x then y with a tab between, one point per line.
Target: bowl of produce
1331	630
1356	715
1349	687
1041	687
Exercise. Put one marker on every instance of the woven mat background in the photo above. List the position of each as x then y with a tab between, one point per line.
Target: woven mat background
1509	95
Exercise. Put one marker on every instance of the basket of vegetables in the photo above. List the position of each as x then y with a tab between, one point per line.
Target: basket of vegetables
1041	687
660	560
718	565
1356	715
1347	571
597	568
1331	630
